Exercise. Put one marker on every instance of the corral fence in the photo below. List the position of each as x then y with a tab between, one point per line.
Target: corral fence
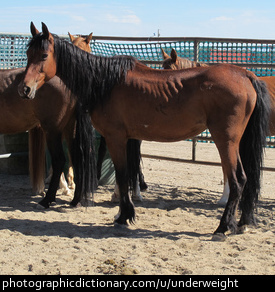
255	55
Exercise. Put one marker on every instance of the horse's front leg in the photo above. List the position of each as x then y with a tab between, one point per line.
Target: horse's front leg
54	143
127	211
117	149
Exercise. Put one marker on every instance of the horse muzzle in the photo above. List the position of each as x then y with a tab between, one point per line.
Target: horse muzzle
26	92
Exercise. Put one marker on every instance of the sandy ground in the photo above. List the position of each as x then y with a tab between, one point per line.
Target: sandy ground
172	233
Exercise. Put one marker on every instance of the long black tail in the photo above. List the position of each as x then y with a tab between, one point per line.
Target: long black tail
252	150
83	157
133	161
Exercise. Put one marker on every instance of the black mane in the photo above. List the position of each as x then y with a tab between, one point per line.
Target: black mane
89	77
38	43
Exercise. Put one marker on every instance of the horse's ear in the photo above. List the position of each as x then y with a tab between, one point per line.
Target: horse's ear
89	38
174	55
34	30
165	55
45	31
72	38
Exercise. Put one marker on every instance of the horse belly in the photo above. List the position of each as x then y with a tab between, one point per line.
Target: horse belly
165	122
166	132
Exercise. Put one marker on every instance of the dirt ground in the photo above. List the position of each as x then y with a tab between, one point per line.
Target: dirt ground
172	233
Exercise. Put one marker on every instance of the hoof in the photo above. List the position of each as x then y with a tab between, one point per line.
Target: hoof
45	204
143	186
75	203
78	205
222	202
121	221
137	198
40	207
66	192
219	237
242	229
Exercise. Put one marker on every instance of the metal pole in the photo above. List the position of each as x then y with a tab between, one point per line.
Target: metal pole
194	145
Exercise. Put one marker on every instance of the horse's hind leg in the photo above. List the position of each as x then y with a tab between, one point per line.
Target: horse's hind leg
142	184
117	149
233	167
54	143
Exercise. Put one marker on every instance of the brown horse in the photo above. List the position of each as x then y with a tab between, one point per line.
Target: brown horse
83	42
18	115
127	100
174	62
177	63
49	118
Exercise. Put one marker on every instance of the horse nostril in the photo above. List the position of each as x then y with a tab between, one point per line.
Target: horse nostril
27	90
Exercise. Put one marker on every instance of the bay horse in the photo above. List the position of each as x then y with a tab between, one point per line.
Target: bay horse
49	117
128	100
177	63
43	119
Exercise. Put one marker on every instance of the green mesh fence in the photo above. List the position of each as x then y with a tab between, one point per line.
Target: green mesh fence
13	50
255	55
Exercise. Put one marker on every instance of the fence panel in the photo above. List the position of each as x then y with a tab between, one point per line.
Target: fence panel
13	50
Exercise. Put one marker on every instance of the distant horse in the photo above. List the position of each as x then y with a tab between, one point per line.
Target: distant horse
83	42
128	100
176	63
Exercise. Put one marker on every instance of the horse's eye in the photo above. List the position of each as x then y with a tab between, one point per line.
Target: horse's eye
44	57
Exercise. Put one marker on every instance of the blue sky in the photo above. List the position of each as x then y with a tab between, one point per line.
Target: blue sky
212	18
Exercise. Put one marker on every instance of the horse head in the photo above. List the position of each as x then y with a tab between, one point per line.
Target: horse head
41	66
175	62
170	62
82	42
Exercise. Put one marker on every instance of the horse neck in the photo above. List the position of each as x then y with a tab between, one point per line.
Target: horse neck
90	78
